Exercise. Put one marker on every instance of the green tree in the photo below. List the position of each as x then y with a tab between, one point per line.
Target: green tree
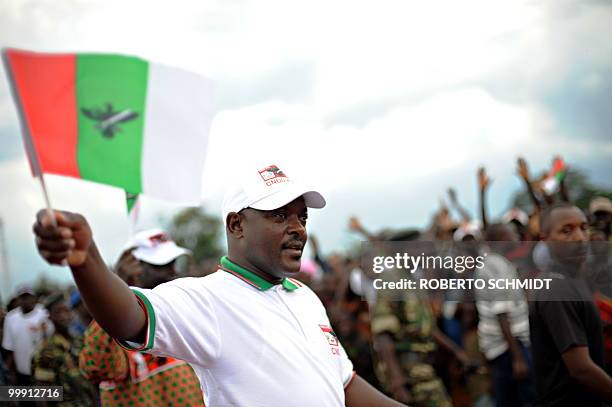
579	188
199	232
43	286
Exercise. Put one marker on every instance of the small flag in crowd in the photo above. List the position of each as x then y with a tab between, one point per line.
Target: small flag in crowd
553	180
114	119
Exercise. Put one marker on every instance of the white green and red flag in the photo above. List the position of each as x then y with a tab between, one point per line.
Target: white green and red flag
555	176
114	119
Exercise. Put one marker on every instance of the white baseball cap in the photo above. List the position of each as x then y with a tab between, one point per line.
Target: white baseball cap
25	289
471	228
517	215
267	188
600	204
154	246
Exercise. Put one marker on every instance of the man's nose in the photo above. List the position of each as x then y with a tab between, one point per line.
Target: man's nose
295	226
579	235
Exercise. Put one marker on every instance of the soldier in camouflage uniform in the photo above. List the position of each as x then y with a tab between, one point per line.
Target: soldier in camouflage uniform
404	340
56	363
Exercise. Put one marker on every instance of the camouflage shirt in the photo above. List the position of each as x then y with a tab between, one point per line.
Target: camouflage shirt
57	363
408	319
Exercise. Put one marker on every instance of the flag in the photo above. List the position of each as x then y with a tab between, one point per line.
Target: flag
553	180
114	119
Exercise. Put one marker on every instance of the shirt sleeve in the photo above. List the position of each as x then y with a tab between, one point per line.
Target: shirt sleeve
497	301
502	307
101	357
562	318
348	372
181	323
345	365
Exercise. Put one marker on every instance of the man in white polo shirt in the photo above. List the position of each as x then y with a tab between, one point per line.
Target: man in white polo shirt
254	335
25	327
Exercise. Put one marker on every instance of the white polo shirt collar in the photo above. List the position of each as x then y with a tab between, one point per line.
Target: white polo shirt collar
253	279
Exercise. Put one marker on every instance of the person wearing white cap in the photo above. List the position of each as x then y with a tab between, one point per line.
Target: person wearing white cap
155	254
25	327
134	378
600	209
254	335
154	246
468	231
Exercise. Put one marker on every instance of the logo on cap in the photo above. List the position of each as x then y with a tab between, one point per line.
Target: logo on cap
158	239
273	175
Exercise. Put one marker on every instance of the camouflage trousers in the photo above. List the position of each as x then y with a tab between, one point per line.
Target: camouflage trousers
425	387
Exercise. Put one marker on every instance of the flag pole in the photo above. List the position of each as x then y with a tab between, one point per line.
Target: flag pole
27	136
47	200
133	208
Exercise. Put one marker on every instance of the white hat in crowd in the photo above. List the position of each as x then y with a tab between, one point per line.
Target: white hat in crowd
154	246
600	204
471	228
516	214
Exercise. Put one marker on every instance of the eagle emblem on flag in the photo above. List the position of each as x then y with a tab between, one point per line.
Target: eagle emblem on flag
108	119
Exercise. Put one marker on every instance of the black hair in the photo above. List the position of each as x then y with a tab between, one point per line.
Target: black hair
404	235
547	214
53	300
495	230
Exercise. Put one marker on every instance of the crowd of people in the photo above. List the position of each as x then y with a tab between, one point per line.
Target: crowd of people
423	348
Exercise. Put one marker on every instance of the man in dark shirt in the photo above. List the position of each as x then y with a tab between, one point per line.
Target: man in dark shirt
566	332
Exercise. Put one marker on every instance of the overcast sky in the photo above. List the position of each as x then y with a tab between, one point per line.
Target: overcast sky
382	105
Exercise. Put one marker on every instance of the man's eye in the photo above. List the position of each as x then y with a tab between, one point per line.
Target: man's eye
279	216
303	219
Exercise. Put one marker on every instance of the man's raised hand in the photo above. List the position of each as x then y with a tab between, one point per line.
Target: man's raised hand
483	179
522	168
354	224
65	244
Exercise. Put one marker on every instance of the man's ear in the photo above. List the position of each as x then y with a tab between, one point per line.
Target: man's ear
134	279
234	224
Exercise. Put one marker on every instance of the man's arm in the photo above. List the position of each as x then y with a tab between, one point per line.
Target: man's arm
395	377
520	370
356	226
523	172
360	393
582	369
483	184
452	196
563	192
107	297
446	343
314	244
